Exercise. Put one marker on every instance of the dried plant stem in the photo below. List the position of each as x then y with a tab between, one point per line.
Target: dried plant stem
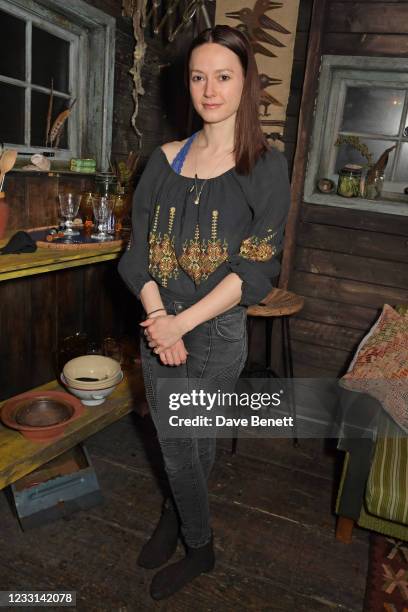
49	113
136	9
355	142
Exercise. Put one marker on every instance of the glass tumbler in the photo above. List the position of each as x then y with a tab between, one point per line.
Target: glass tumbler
102	209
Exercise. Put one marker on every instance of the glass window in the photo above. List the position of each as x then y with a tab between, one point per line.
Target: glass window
12	38
25	89
39	112
50	60
68	47
363	101
373	110
401	173
11	113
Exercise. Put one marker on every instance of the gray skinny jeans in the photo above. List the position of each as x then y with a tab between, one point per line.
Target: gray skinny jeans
217	351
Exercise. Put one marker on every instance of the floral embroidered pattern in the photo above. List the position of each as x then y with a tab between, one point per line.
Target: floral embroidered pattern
162	257
200	258
258	249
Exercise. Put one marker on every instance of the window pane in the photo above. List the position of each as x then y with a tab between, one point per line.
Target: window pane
11	114
50	60
39	111
377	111
402	168
348	155
12	46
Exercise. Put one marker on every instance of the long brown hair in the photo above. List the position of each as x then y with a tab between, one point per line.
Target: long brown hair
249	141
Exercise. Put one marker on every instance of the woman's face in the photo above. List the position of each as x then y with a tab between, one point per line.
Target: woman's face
216	82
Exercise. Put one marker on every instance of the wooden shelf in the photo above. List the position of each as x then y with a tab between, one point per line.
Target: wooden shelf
48	260
52	172
19	456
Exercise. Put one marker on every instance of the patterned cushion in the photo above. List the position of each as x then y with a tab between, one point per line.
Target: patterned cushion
380	366
387	487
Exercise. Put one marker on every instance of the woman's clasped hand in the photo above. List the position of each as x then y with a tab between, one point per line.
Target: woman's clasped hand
164	335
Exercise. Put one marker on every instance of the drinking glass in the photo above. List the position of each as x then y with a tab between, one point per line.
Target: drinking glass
69	204
102	208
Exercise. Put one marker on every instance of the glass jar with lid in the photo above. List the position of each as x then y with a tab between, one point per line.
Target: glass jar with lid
349	181
105	183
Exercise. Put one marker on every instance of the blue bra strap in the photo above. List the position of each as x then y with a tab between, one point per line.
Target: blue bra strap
178	161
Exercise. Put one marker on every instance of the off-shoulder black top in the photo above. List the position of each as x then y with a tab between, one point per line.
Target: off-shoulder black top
189	248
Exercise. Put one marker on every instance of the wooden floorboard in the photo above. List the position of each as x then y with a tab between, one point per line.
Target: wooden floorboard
272	519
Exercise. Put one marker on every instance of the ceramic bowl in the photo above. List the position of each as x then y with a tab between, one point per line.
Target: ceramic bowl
91	397
103	369
30	412
92	385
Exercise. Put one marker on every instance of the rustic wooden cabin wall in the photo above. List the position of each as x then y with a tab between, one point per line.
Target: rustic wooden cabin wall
257	347
298	73
38	311
347	263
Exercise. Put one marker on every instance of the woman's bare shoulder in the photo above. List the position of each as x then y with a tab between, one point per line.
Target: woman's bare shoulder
170	149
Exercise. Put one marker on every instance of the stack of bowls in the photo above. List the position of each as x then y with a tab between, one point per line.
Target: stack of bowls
92	378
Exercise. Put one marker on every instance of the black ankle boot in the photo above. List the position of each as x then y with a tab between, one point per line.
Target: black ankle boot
163	542
175	576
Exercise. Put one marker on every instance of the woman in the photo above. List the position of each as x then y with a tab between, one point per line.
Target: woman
208	221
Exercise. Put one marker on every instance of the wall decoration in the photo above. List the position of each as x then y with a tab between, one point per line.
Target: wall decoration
175	15
136	10
271	29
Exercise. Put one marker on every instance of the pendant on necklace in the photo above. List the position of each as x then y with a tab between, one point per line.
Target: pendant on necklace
198	193
197	198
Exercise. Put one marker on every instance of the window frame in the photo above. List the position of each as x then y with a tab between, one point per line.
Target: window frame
91	33
336	72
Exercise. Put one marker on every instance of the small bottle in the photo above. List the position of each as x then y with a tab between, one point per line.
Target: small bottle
87	210
118	211
374	184
4	214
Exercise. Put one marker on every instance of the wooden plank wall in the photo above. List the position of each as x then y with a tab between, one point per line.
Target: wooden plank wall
164	107
298	71
348	263
38	312
33	198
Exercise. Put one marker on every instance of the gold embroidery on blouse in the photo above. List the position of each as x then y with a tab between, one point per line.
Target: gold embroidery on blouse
200	258
190	260
162	257
258	249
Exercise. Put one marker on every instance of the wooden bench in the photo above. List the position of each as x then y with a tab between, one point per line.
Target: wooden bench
19	456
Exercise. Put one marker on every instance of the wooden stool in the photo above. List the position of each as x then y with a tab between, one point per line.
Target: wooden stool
278	303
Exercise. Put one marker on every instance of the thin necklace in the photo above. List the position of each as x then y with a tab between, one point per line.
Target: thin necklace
198	193
194	187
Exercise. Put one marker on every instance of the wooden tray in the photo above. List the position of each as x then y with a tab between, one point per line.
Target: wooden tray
82	241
